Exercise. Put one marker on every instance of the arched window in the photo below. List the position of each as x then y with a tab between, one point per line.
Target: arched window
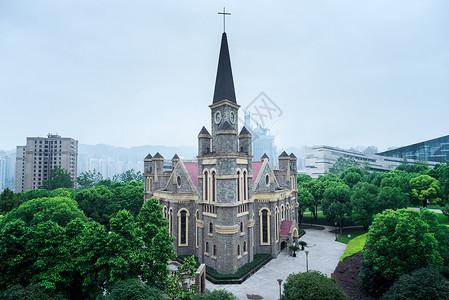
207	247
276	221
170	221
164	211
211	227
241	227
287	215
183	228
282	212
206	186
197	216
214	186
238	250
264	215
245	189
244	247
214	253
238	186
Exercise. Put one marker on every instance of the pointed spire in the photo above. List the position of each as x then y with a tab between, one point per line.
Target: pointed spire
224	84
284	154
204	133
148	157
244	132
264	156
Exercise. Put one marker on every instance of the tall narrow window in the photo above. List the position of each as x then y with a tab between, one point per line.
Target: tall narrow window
265	226
213	186
211	227
214	252
183	227
206	186
245	190
238	186
276	221
244	247
207	247
170	221
197	214
238	250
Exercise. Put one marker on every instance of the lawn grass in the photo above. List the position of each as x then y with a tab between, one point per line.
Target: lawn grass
442	219
355	245
345	238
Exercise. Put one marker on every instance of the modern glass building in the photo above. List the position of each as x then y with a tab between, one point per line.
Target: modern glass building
432	150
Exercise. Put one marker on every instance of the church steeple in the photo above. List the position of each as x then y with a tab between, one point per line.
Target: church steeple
224	83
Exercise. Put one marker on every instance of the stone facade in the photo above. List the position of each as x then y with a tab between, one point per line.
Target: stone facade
224	208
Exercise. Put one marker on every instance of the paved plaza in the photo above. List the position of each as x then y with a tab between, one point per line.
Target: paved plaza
324	254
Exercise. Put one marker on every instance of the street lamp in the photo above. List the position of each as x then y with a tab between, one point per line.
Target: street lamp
307	260
280	284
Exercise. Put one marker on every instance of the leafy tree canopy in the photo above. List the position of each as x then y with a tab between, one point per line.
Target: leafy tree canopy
133	289
425	189
127	176
391	198
363	203
216	295
342	164
311	285
336	203
89	179
58	178
399	242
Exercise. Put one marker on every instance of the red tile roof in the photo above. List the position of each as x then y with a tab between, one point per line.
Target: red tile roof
192	169
285	227
256	168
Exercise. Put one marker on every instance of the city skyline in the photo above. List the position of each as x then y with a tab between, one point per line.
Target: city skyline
342	74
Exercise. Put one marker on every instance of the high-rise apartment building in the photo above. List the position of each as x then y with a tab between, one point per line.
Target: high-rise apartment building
41	155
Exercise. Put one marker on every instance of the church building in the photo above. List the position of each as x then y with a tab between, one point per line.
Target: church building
225	208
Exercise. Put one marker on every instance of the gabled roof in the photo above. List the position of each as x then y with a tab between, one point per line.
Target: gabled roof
192	169
284	154
224	83
148	156
264	156
175	156
256	169
285	228
158	155
292	155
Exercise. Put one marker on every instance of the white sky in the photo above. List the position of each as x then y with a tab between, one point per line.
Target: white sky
129	73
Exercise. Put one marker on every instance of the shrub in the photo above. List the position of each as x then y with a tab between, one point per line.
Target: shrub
425	283
216	295
245	269
133	289
311	285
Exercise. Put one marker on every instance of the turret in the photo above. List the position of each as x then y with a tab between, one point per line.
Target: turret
284	162
245	142
293	163
147	166
204	139
264	156
158	161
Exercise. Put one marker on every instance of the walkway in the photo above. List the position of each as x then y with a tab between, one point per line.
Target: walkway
324	256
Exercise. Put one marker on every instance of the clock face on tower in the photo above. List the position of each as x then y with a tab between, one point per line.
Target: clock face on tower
217	117
232	117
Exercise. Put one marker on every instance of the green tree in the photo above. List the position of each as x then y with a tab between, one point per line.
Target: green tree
311	285
128	176
363	204
352	176
425	283
216	295
158	242
185	273
399	242
58	178
425	189
336	204
441	173
342	164
133	289
305	200
391	198
8	201
89	179
97	203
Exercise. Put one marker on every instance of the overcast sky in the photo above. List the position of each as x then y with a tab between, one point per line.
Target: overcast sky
130	73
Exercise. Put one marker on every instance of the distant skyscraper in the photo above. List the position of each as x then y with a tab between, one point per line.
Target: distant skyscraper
41	155
263	142
3	166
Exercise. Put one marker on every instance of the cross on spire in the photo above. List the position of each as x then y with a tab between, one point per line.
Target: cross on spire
224	13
